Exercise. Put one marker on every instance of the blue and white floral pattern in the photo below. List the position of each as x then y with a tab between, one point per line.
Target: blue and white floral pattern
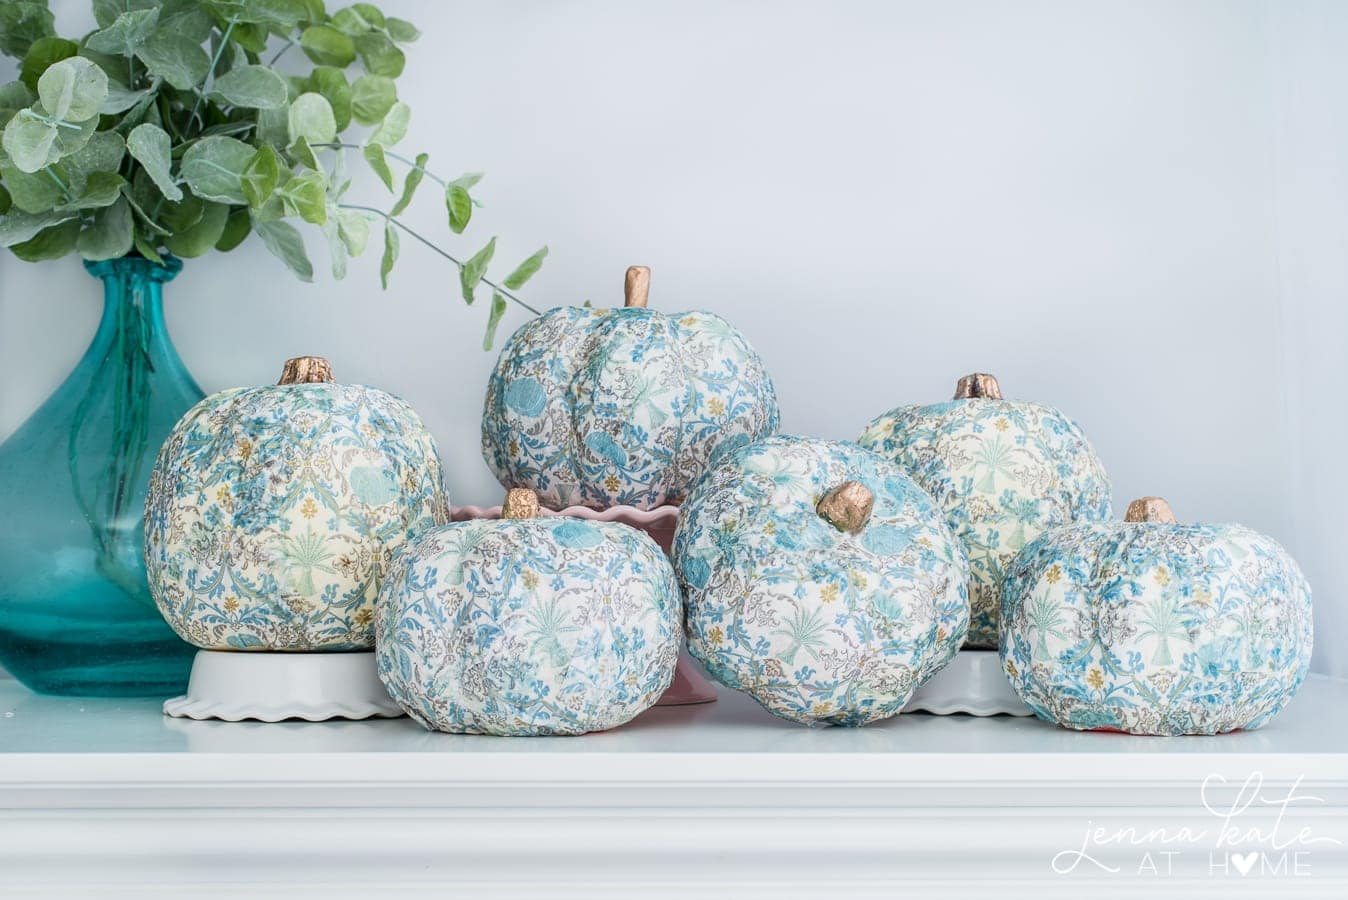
602	408
1003	471
820	626
1155	628
528	627
273	513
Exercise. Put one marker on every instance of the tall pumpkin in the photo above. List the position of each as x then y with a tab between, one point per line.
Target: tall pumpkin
1002	470
600	408
273	512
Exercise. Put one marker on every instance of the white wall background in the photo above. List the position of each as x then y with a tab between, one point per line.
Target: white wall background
1135	211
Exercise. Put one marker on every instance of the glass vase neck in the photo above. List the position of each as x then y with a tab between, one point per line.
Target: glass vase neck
137	267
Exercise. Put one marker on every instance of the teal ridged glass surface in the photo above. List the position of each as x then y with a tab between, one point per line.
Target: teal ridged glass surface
76	615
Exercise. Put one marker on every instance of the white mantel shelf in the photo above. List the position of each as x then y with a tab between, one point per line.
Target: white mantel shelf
110	798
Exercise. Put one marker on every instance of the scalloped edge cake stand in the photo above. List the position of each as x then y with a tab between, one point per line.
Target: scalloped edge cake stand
689	687
973	683
270	687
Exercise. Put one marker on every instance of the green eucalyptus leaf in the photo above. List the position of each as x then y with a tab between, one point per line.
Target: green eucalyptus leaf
22	22
134	197
374	155
6	201
358	19
186	17
14	96
379	55
390	253
202	236
471	272
73	89
100	189
311	118
251	36
394	126
44	54
253	87
327	46
460	207
183	215
151	146
49	243
281	14
145	246
174	57
31	192
335	247
468	180
127	32
410	184
372	96
306	196
107	11
237	228
103	153
525	270
120	99
401	30
353	227
213	166
30	143
261	176
72	140
303	154
498	308
285	243
331	83
111	233
17	226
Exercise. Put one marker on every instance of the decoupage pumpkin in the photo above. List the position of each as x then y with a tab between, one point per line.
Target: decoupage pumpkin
1002	470
820	579
273	512
1153	627
528	625
600	408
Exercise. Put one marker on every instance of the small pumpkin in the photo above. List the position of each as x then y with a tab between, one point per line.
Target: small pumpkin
1154	627
601	408
273	511
1002	470
528	625
820	579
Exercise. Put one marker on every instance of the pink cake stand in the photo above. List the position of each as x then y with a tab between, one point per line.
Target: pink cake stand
688	686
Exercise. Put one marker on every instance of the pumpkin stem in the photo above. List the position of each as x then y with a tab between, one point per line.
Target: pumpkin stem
306	370
520	503
1149	509
636	287
978	385
847	507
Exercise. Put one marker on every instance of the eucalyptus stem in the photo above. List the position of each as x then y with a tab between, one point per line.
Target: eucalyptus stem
429	243
210	73
410	163
282	52
59	183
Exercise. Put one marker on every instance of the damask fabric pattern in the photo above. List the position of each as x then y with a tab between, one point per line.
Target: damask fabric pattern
273	513
820	626
1003	472
1156	629
528	627
602	408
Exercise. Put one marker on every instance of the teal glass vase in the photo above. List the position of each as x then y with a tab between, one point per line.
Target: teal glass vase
76	615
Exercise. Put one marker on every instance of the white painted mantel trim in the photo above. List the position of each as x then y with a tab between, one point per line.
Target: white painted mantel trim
870	813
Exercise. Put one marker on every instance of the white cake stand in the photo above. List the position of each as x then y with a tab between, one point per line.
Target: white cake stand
271	687
973	683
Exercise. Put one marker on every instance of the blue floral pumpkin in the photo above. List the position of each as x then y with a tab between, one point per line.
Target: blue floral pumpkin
1153	627
1003	471
820	579
273	512
528	625
602	408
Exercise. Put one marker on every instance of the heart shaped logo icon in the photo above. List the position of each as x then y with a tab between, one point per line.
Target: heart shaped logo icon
1244	863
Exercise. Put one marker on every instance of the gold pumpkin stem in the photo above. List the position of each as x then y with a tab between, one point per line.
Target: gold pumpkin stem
979	385
306	370
847	507
1150	509
636	287
520	503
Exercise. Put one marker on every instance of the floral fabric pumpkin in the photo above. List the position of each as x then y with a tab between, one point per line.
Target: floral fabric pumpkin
1153	627
528	626
273	512
1003	471
600	408
820	579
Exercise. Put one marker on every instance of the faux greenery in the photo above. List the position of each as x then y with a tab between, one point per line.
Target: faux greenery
169	130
